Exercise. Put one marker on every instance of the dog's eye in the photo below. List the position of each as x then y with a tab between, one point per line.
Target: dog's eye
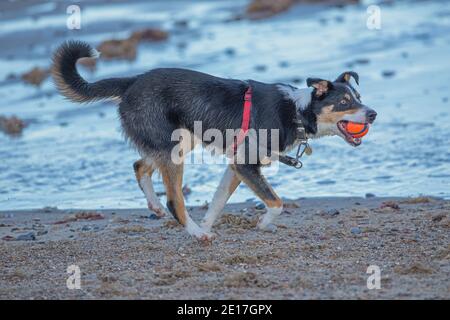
343	101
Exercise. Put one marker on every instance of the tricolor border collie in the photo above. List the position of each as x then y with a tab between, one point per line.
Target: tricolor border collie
154	104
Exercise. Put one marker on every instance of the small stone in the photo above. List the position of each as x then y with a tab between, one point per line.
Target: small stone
42	232
86	228
355	230
329	213
186	190
8	238
181	23
26	237
388	73
260	68
153	216
49	209
230	51
260	206
332	212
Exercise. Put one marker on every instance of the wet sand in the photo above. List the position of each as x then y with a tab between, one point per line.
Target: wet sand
322	249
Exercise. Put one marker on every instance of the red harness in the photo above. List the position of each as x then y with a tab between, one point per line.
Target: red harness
245	118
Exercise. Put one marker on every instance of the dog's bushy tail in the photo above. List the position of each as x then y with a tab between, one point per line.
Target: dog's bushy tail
72	85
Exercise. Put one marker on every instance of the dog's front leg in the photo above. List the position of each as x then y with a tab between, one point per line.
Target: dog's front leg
227	186
251	175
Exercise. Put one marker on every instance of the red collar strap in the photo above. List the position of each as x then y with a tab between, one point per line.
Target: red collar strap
245	118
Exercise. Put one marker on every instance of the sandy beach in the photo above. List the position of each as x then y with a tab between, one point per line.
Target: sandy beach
321	249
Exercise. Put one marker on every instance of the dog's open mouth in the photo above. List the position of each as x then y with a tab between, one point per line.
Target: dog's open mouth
342	126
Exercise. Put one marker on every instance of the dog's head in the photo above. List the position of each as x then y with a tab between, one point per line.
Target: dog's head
334	103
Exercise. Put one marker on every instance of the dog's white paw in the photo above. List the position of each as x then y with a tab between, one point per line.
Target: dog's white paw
205	237
267	226
160	212
199	233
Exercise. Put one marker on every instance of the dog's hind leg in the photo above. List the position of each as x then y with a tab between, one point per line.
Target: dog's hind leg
173	178
144	169
251	175
227	186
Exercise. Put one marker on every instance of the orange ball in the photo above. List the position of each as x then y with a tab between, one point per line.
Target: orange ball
357	130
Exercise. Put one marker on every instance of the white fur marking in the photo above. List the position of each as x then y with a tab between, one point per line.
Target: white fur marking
95	54
325	129
220	197
268	218
194	230
301	97
147	187
352	92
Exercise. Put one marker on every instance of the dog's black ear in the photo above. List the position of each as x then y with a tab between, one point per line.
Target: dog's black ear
346	76
321	86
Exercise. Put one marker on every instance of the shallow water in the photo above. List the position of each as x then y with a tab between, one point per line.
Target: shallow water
75	156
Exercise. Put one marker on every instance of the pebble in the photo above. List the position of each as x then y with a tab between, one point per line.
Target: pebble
230	51
153	216
260	206
42	232
388	73
26	237
355	230
260	68
329	213
49	209
86	228
297	80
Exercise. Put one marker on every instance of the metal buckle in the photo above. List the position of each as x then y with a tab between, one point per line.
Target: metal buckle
300	152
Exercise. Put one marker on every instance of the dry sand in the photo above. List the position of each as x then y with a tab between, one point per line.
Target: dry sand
315	253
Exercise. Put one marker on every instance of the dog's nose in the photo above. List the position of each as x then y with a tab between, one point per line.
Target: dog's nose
371	115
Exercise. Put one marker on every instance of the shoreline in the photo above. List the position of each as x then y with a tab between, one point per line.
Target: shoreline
321	249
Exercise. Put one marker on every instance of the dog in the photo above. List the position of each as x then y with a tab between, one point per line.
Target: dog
154	104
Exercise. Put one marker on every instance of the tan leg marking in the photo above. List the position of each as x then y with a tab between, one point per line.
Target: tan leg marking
173	179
